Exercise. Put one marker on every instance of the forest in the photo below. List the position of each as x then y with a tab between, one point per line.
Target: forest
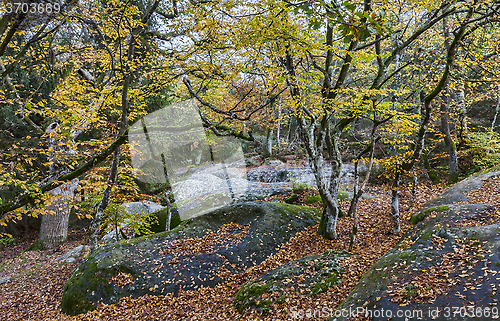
249	160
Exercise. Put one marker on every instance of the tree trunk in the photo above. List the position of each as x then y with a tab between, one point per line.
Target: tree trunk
101	207
395	205
269	143
278	131
328	190
359	190
414	186
54	228
430	171
450	144
497	110
168	221
462	115
445	126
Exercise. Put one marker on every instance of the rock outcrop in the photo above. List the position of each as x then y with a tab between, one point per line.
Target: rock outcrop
445	268
192	255
310	275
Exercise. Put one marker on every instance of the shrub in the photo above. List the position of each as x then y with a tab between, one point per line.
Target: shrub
482	151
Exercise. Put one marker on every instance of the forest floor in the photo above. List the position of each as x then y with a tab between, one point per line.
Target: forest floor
37	279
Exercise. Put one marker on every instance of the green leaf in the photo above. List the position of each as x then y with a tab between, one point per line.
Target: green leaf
316	25
349	6
364	35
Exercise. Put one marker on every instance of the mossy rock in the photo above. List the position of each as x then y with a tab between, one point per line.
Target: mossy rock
312	199
311	275
419	217
428	246
161	217
293	198
160	263
344	196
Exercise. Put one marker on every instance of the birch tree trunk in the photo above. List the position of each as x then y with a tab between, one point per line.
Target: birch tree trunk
396	227
497	110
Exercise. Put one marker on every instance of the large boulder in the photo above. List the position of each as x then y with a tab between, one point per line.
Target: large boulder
310	275
445	268
229	239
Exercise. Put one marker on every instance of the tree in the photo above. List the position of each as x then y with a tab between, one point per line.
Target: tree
320	72
84	99
463	23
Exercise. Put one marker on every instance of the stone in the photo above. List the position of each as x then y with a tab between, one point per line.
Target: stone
72	254
310	275
190	256
444	229
5	279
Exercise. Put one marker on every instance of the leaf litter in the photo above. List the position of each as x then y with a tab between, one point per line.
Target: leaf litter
35	291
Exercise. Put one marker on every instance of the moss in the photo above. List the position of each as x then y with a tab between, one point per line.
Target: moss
249	293
36	246
293	198
343	196
322	228
299	211
490	170
311	199
404	255
379	272
454	178
264	303
426	236
75	301
470	238
325	284
417	218
498	263
411	291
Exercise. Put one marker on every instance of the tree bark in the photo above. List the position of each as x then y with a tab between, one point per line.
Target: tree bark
462	115
445	126
396	227
269	142
430	171
359	190
95	226
168	221
497	110
54	227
